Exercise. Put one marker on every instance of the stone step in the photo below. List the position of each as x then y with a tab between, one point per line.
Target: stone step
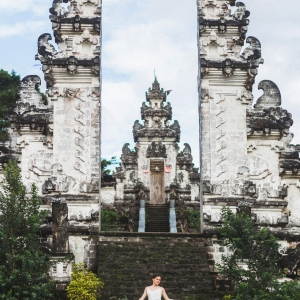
126	266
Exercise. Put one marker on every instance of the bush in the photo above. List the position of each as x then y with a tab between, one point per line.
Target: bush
24	268
109	220
84	285
193	218
258	250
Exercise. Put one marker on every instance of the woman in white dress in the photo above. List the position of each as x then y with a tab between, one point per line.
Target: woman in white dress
154	292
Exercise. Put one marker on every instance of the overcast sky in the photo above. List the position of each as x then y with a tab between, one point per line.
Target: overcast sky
142	35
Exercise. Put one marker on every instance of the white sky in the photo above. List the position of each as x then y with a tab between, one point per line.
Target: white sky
142	35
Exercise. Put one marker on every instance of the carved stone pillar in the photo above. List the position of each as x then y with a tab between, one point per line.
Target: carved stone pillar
142	217
60	225
173	227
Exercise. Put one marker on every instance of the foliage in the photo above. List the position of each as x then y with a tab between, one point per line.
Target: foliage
193	218
44	97
9	84
84	285
258	251
109	220
23	266
106	163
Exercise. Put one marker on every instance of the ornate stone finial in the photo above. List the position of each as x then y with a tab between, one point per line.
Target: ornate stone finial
155	85
45	49
241	12
271	96
156	92
57	9
254	50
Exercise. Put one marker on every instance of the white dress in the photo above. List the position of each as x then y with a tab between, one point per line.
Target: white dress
154	295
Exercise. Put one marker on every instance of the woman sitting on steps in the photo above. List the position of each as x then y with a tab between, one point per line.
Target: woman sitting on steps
154	292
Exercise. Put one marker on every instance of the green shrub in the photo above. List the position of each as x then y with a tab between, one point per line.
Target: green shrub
109	220
84	285
258	250
193	218
24	268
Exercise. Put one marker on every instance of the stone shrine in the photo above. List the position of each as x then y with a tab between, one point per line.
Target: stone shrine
56	145
248	162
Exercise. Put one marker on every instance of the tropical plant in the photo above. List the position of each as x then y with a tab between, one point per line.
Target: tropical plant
109	220
105	163
9	84
193	218
24	267
84	285
258	251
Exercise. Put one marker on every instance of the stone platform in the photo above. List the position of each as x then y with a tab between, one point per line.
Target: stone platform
126	262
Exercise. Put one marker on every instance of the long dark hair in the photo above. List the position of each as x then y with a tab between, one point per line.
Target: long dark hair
155	275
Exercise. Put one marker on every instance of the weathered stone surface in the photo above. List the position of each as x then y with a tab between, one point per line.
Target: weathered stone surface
182	263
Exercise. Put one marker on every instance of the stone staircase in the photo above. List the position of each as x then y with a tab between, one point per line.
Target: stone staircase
127	261
157	218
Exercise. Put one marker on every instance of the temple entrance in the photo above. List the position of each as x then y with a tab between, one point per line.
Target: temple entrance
157	182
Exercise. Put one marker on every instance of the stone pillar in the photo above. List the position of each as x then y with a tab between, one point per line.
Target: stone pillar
173	227
142	217
60	225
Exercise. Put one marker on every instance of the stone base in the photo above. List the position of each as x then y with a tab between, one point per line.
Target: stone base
126	262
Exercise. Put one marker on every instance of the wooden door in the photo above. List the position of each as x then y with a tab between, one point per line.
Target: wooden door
157	182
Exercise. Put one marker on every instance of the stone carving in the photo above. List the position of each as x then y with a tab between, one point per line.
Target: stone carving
247	188
58	182
86	37
228	67
288	165
185	159
137	126
128	157
241	11
213	189
45	49
254	50
271	96
60	231
156	150
268	120
57	9
245	96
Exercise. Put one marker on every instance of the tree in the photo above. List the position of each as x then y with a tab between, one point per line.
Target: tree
84	285
23	266
258	250
9	84
105	163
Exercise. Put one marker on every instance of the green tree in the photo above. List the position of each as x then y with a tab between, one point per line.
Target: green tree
105	163
23	266
109	220
84	285
9	84
257	250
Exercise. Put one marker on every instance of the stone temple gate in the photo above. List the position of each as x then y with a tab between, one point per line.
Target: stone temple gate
247	160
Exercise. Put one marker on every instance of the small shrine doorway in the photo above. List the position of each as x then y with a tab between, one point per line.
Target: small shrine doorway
157	182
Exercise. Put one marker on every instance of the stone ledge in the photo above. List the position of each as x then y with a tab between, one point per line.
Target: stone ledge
149	234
